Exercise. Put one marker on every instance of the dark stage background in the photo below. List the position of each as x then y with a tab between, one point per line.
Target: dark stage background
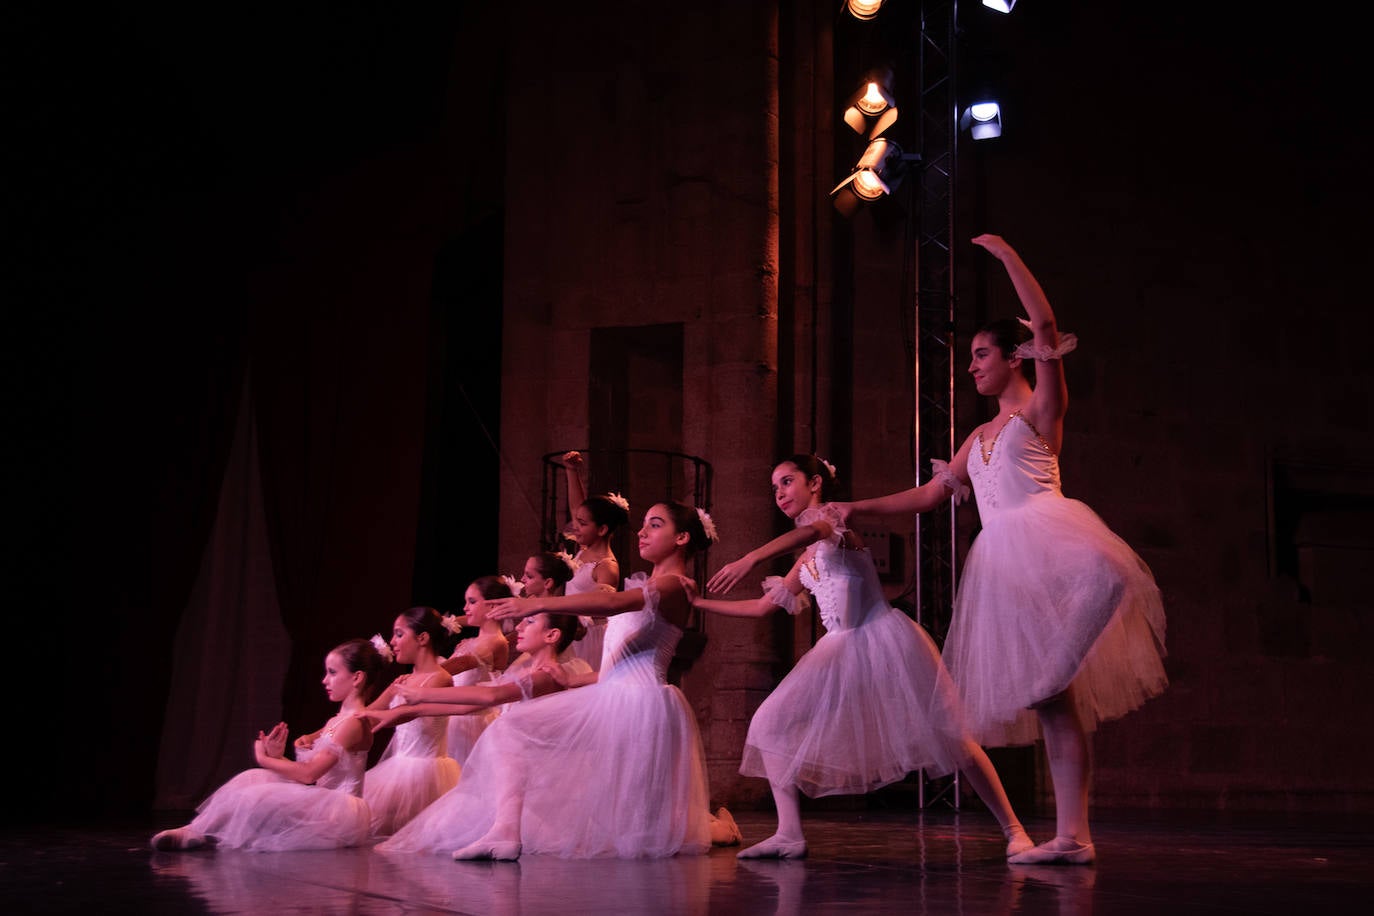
305	203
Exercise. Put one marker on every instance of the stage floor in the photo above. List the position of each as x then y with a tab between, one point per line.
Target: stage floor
861	862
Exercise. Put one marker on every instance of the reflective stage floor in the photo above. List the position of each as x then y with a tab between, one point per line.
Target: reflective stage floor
860	862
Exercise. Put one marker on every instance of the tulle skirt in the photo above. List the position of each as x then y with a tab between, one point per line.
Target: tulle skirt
1051	597
464	730
261	811
861	709
613	769
589	647
400	787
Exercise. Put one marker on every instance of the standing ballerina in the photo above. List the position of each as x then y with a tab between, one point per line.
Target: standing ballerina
1057	624
312	802
612	769
871	701
475	659
594	520
415	768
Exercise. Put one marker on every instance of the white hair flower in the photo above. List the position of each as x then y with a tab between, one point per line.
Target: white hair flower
514	584
828	466
567	560
619	500
453	623
707	525
383	648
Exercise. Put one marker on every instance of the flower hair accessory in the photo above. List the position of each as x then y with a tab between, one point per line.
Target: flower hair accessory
514	584
828	466
453	623
383	648
619	500
567	559
707	525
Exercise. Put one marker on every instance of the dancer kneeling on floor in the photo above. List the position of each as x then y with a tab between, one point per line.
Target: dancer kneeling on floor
529	784
312	802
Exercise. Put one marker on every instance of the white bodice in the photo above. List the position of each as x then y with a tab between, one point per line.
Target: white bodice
346	775
1020	466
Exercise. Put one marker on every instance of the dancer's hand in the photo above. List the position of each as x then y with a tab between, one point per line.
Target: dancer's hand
273	743
379	718
409	694
507	608
557	673
995	245
572	460
729	575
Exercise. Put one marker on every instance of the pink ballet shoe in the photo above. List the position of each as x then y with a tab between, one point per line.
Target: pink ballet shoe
725	832
774	848
1058	851
177	838
498	850
1017	841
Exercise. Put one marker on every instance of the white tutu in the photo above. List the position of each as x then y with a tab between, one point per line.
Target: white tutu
869	703
592	644
1049	597
412	774
611	769
262	811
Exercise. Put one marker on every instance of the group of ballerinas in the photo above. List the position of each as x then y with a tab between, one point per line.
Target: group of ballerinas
1057	626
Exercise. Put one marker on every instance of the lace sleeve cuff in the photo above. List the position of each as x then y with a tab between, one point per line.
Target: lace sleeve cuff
776	591
828	513
1028	350
525	681
958	489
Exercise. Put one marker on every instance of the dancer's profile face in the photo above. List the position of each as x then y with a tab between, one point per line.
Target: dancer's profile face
989	368
583	528
338	680
530	632
536	586
404	643
473	606
658	538
793	491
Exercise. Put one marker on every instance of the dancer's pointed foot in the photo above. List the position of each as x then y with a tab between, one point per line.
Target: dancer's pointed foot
1058	851
498	850
177	838
725	832
775	847
1017	840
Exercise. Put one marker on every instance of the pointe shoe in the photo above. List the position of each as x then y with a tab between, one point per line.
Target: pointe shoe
1058	851
773	848
728	832
177	838
499	851
1018	842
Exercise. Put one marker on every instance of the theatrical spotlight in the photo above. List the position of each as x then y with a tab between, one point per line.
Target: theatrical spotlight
863	9
1002	6
877	173
872	109
983	120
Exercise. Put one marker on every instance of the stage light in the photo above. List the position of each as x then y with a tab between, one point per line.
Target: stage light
983	120
877	173
864	9
1002	6
872	109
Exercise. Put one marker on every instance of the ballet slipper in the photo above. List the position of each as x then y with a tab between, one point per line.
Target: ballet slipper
497	850
177	838
725	832
1058	851
1017	840
774	848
